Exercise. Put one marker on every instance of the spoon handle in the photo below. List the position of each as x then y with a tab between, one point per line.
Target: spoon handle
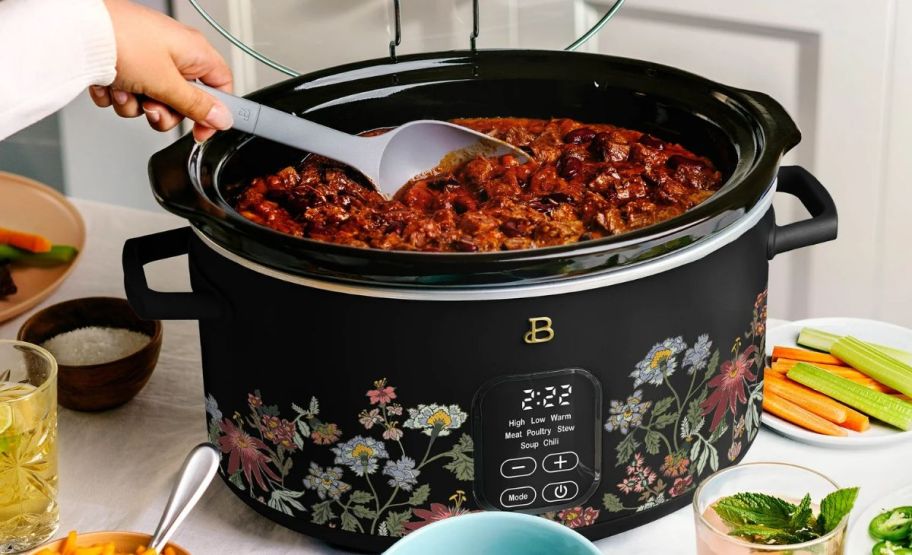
287	129
198	470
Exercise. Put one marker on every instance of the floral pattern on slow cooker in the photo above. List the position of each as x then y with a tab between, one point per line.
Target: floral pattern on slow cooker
667	444
371	485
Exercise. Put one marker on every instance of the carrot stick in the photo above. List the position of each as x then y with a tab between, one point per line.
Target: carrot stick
805	355
856	421
796	415
838	367
22	240
806	398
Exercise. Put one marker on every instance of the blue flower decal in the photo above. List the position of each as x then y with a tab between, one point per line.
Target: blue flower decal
360	454
659	363
326	482
402	473
697	356
628	415
212	408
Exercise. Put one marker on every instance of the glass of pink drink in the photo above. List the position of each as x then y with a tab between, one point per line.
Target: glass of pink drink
786	481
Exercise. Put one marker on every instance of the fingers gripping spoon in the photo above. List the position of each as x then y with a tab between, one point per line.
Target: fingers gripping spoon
389	160
198	470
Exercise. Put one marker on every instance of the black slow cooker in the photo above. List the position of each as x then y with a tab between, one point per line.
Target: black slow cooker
358	395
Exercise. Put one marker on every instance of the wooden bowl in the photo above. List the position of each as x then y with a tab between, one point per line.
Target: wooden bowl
123	541
103	386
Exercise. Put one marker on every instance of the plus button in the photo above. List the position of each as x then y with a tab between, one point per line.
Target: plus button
560	462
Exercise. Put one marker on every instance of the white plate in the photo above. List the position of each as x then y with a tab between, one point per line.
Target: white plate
859	541
868	330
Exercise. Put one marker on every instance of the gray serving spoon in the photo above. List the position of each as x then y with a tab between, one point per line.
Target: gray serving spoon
389	160
199	468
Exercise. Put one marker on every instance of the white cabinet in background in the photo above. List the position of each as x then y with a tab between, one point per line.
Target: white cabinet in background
842	68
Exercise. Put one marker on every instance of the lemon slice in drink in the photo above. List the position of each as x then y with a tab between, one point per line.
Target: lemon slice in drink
6	418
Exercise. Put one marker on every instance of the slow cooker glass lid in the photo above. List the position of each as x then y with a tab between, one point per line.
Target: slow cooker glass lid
285	34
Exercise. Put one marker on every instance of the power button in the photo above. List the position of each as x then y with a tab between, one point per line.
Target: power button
557	492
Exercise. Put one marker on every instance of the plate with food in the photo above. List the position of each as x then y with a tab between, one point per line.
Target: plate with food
885	527
839	382
41	235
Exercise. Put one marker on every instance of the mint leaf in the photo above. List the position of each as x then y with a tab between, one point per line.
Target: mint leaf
743	509
834	508
803	515
764	535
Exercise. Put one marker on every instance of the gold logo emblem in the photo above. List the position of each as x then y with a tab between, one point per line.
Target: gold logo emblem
540	330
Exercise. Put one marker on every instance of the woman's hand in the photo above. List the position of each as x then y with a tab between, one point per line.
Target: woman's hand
156	56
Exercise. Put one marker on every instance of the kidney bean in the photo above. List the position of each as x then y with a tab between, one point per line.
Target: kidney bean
464	245
650	141
569	167
510	229
581	135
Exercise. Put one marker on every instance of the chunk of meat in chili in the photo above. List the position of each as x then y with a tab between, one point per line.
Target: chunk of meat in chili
584	181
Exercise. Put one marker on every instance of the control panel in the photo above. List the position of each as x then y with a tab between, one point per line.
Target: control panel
537	440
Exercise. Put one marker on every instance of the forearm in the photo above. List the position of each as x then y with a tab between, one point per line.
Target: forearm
50	51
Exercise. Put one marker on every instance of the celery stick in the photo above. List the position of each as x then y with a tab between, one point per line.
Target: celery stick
874	363
823	341
879	405
59	254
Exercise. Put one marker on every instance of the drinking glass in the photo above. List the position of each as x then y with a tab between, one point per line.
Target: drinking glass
786	481
28	446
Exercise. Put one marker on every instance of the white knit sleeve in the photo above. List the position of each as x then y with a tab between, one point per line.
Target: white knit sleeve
50	51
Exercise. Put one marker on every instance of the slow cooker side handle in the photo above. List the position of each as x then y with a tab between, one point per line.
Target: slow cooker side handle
820	228
155	305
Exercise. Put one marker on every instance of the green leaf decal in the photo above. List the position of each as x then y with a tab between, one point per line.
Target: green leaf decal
349	522
612	503
238	480
395	522
720	429
360	497
664	420
625	449
461	464
653	442
420	495
662	405
322	512
462	467
713	366
363	512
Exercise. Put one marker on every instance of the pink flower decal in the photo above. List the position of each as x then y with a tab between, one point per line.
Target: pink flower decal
729	386
382	394
577	517
245	452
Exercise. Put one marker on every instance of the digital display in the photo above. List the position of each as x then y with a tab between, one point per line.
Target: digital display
537	440
547	397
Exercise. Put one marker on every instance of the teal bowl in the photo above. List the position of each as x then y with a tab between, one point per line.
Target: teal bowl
494	533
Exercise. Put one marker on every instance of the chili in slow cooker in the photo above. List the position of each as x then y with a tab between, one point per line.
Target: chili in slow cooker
584	181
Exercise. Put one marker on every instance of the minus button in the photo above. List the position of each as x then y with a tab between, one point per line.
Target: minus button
517	468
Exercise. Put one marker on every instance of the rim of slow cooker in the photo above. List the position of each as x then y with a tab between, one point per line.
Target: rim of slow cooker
751	174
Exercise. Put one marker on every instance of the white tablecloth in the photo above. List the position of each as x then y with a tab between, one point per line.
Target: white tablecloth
117	467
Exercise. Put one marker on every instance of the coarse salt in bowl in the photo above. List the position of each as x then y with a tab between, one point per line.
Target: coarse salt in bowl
106	353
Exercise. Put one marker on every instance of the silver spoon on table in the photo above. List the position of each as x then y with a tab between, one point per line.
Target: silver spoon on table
198	470
389	160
